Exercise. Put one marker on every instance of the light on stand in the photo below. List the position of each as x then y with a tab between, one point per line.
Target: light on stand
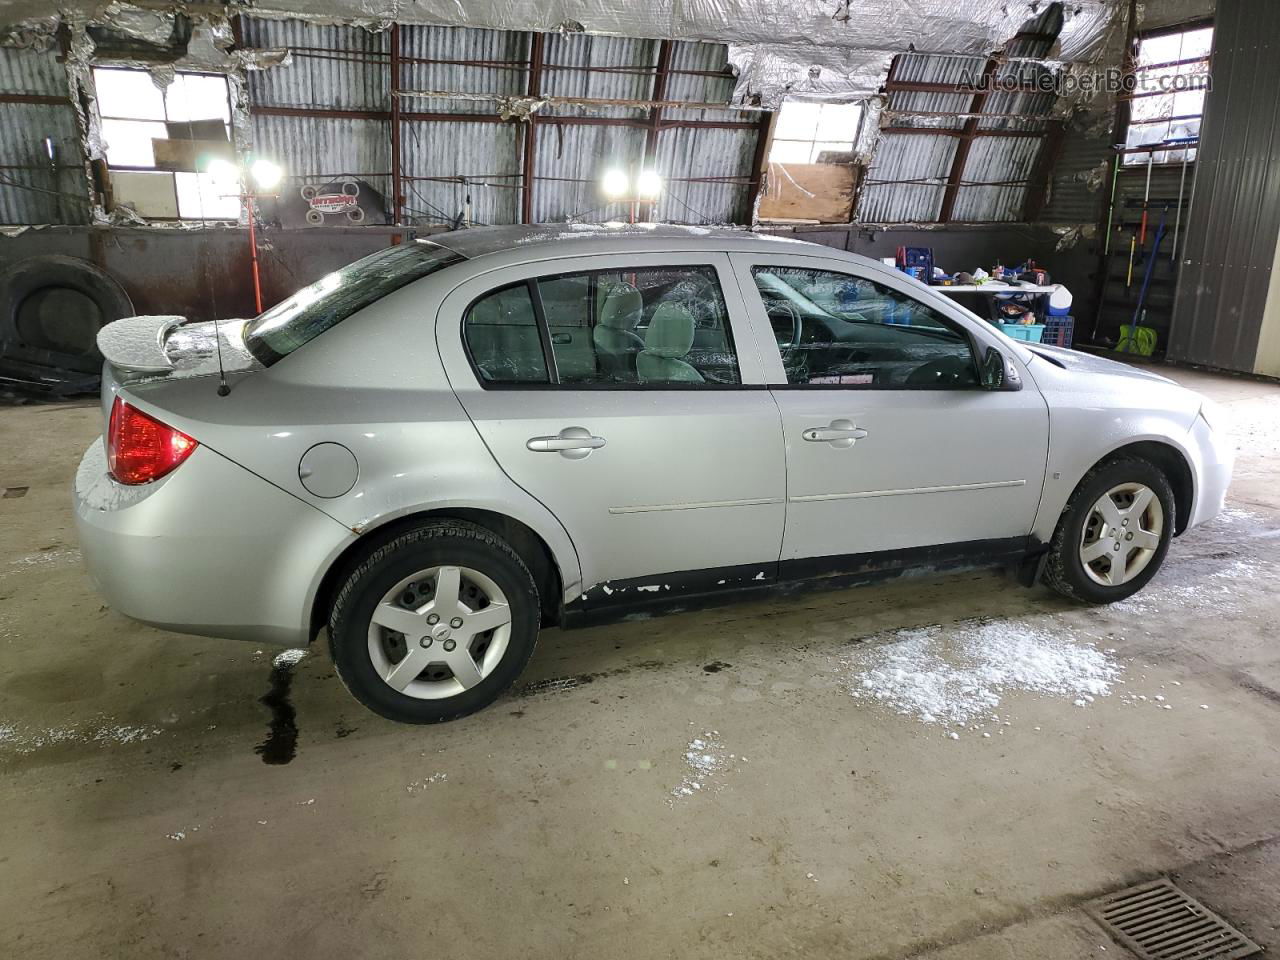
266	174
223	172
615	184
648	185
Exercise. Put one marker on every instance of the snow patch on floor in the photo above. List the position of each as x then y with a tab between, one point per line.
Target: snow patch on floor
706	761
419	785
55	557
1238	515
288	658
104	731
953	675
1217	592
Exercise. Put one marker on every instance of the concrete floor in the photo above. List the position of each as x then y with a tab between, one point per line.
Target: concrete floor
137	818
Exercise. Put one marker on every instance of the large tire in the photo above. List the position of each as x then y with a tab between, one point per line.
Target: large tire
51	309
1065	570
430	546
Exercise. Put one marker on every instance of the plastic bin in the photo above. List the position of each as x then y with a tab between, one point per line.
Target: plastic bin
1030	332
1058	331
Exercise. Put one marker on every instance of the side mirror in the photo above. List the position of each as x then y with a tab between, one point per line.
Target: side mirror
998	372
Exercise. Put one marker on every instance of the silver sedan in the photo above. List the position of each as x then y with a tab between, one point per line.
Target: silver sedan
443	447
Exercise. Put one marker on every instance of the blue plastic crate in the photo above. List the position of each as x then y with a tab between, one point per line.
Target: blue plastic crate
1030	332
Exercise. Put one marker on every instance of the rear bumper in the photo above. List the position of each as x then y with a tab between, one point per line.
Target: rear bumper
211	549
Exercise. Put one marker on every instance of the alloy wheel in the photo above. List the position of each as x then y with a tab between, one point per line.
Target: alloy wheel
439	632
1121	534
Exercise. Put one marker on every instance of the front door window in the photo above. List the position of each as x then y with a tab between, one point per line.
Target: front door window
835	329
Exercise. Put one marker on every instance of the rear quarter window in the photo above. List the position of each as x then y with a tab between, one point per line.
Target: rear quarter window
336	296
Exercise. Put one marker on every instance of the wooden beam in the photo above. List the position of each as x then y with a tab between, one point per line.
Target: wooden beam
658	95
967	135
397	192
534	89
759	163
955	132
35	98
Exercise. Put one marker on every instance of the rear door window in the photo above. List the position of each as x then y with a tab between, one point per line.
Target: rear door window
502	337
634	327
336	296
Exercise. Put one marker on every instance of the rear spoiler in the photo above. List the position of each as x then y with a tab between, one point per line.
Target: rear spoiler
137	343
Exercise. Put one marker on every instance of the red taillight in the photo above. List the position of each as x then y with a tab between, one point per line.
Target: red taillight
140	448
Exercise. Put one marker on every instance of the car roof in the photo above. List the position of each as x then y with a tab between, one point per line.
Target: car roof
566	239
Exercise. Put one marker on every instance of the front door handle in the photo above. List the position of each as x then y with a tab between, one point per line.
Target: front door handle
839	433
572	443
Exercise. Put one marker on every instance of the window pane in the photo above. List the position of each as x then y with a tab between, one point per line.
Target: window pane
830	147
798	121
129	142
338	295
128	93
834	329
501	333
193	96
1197	43
646	326
790	151
201	197
838	121
1163	49
1183	129
1151	108
1188	103
1141	134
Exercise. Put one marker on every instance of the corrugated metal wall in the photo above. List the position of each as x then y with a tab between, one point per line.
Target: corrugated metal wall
312	148
34	187
327	114
708	170
1235	209
989	174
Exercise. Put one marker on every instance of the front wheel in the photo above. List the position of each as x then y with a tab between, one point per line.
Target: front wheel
434	624
1113	534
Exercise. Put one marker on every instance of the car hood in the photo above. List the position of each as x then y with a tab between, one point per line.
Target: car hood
1083	380
1076	361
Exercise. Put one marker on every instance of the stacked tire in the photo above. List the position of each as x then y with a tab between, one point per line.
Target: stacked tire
51	309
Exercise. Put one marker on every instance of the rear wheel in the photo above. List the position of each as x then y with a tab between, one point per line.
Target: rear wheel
434	624
1113	534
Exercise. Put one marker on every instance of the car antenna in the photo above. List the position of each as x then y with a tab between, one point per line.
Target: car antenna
223	389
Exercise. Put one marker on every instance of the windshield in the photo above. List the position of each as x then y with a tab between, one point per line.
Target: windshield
334	297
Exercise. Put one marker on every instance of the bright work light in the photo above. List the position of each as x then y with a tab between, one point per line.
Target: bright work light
615	184
265	174
648	185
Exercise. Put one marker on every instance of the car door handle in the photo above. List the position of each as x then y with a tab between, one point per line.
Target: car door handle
562	338
572	443
839	433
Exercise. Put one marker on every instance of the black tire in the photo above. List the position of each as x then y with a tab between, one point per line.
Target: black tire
1064	571
431	544
51	309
